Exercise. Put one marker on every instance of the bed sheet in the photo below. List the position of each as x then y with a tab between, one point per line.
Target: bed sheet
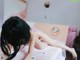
48	53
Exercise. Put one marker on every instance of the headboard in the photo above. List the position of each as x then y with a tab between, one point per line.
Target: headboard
55	31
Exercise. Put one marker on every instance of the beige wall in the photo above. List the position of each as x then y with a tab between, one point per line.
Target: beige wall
60	11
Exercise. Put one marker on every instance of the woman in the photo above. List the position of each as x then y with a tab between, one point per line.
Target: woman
16	32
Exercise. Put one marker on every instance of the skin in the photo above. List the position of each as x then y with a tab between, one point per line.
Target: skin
36	38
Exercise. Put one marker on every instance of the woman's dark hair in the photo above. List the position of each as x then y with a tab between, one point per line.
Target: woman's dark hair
15	32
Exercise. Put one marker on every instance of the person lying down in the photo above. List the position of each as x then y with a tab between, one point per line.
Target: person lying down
16	32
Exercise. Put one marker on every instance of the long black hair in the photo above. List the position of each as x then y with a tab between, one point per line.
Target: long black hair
15	32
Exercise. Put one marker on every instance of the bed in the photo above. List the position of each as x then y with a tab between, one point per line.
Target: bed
49	53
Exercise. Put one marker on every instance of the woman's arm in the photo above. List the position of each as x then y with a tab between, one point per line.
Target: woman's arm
34	37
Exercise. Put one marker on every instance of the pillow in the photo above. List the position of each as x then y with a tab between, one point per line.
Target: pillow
72	33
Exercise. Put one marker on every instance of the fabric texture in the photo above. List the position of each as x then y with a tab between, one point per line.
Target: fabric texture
72	33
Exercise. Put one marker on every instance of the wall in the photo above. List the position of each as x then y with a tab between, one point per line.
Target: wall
59	12
12	7
1	13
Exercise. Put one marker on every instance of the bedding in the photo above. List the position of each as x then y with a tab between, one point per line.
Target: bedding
48	53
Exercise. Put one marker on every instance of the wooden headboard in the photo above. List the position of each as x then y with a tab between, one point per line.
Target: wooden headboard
55	31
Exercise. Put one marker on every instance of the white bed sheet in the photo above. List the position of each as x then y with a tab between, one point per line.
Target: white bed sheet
48	53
